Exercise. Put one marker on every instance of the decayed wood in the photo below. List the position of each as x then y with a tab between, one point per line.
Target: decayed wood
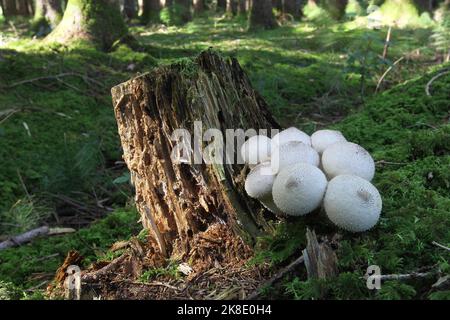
32	234
320	259
178	201
277	277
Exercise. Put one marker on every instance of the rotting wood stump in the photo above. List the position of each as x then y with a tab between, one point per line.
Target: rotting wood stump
184	203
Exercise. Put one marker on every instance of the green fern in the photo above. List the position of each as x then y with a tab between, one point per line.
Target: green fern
441	34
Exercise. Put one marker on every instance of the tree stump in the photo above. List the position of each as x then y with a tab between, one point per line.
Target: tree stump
185	203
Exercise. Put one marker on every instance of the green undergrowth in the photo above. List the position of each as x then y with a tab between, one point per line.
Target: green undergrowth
59	142
26	266
409	131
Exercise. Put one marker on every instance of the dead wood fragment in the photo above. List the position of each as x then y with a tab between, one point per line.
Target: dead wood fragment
178	201
440	246
320	259
95	275
277	277
32	234
428	86
24	237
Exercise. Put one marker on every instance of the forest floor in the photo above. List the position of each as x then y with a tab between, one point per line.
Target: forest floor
61	156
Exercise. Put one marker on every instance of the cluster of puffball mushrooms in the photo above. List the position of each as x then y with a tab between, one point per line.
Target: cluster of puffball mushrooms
294	174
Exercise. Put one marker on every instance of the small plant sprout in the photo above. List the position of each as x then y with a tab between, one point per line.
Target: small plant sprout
290	134
352	203
256	150
348	158
299	189
292	152
322	139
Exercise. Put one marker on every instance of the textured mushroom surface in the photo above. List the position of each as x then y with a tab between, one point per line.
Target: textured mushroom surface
348	158
259	181
352	203
293	152
256	149
322	139
290	134
299	189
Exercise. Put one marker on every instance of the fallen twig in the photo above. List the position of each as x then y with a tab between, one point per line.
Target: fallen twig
93	276
32	234
56	77
441	246
386	72
383	162
427	87
277	277
24	237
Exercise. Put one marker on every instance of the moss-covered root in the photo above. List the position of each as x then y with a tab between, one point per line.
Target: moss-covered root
97	21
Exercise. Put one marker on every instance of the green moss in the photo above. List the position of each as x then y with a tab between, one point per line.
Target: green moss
18	264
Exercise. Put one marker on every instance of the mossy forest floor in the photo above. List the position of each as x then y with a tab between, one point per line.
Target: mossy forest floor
61	159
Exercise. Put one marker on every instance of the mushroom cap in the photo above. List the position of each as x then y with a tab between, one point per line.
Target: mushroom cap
348	158
293	152
259	181
352	203
322	139
299	189
256	149
290	134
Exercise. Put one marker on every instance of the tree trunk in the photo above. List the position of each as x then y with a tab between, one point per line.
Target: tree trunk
47	12
9	8
22	8
292	7
150	11
277	4
261	15
199	7
242	7
97	21
182	203
185	9
231	9
221	5
130	9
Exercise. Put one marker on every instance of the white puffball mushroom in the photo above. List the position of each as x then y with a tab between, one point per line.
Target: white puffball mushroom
352	203
322	139
290	134
256	149
348	158
258	185
259	181
299	189
293	152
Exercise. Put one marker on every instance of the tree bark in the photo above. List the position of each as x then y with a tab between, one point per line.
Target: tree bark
221	5
277	4
181	203
231	9
199	7
130	9
151	10
9	8
291	7
242	6
261	15
47	12
97	21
